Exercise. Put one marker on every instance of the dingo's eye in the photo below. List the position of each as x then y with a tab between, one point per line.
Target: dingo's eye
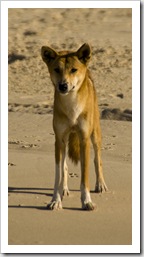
73	70
57	70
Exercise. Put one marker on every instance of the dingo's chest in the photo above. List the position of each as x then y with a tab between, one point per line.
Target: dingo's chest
71	107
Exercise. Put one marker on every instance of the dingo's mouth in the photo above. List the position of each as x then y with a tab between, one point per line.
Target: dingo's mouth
65	91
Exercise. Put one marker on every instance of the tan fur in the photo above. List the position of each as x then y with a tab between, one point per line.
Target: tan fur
74	147
75	121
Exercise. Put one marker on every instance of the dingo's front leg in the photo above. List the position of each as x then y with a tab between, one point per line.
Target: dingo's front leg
85	193
56	200
61	176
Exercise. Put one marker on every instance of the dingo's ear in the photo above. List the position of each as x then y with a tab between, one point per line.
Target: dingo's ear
84	53
48	54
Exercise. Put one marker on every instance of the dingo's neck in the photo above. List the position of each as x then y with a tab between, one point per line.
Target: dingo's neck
72	104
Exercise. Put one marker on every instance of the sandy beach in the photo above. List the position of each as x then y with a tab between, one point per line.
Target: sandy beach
31	138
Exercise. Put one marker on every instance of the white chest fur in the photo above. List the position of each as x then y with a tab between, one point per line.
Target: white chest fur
72	107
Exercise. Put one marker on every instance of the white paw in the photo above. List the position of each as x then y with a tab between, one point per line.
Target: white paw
86	200
66	192
101	186
54	205
89	206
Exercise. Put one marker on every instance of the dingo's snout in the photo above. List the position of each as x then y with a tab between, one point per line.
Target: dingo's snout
63	87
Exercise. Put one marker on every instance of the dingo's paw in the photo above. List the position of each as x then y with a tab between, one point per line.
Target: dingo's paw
86	200
66	192
89	206
100	187
54	205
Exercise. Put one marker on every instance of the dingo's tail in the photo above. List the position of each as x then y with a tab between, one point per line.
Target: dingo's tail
74	147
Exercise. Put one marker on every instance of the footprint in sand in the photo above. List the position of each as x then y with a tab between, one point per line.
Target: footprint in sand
23	144
11	164
73	175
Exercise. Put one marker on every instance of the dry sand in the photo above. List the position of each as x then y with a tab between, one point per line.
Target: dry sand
31	138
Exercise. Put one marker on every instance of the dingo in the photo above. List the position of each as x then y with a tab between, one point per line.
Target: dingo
75	121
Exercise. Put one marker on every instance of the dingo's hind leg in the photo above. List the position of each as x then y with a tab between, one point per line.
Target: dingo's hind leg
100	183
64	181
85	192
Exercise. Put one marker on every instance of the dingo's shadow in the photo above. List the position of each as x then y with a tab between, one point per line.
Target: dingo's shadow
35	191
27	190
43	208
28	207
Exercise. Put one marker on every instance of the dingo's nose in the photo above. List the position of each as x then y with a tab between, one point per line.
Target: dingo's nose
63	87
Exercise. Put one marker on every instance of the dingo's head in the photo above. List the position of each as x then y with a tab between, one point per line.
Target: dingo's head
67	69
